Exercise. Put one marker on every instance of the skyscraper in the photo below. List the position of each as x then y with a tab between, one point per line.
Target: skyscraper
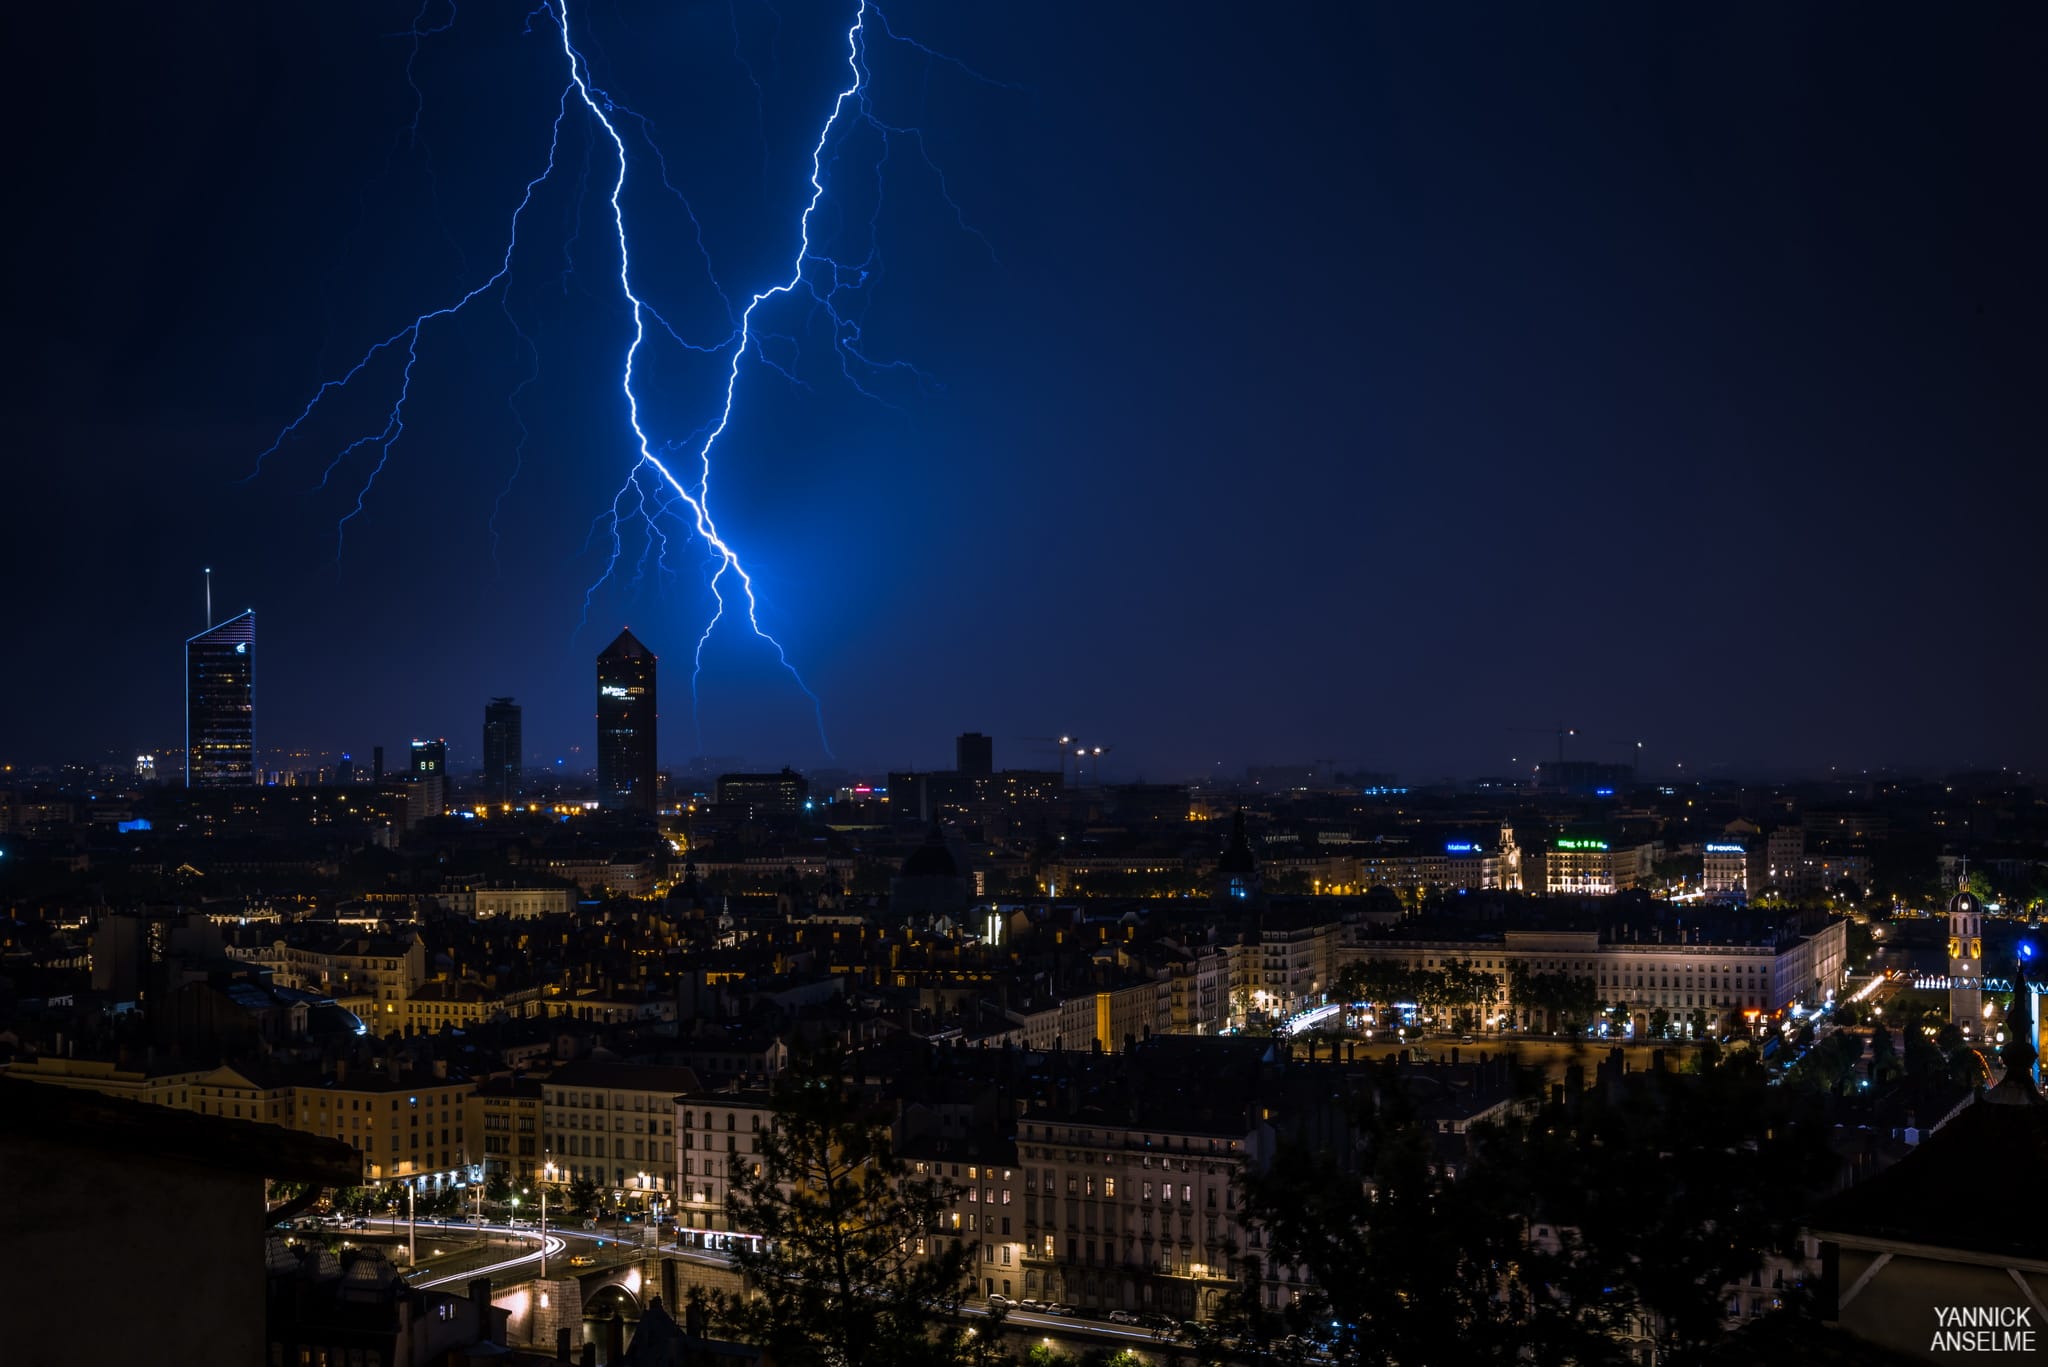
429	758
430	776
220	705
625	725
502	749
974	753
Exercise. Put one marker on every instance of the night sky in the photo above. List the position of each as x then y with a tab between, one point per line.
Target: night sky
1348	381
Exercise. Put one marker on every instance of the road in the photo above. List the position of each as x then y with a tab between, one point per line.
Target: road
1069	1324
564	1243
559	1244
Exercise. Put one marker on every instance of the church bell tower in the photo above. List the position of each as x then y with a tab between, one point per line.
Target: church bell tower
1966	963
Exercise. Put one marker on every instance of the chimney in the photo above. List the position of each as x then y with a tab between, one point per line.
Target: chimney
480	1297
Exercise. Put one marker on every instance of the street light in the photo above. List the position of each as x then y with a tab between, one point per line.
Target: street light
547	1175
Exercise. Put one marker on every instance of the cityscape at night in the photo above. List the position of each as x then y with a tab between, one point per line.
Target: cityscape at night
818	685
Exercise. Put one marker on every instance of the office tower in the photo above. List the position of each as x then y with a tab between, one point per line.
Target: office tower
430	775
220	705
782	794
625	726
345	772
974	753
429	757
376	764
502	749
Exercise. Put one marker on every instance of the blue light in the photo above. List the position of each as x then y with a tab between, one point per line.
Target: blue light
1603	792
140	823
651	489
2026	949
1458	847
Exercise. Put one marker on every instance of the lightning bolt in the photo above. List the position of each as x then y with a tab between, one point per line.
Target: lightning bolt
652	489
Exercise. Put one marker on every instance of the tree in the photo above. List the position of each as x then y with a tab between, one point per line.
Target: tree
852	1269
585	1197
1405	1264
1677	1186
1884	1058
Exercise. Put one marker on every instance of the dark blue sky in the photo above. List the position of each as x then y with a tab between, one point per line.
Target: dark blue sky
1354	381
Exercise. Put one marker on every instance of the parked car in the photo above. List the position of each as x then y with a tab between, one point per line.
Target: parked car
1121	1317
1056	1308
1033	1304
998	1301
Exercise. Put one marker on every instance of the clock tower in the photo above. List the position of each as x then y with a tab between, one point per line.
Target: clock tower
1966	963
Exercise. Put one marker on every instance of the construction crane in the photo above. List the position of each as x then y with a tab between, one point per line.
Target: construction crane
1083	753
1561	731
1063	744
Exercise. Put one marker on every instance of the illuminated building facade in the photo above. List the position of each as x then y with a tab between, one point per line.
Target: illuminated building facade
1724	869
430	775
1966	962
625	726
220	705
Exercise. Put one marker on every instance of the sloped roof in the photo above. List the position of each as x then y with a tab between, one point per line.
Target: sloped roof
86	1121
1959	1189
625	646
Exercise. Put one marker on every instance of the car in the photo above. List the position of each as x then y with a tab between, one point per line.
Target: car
998	1301
1058	1309
359	1223
1121	1317
581	1260
1033	1304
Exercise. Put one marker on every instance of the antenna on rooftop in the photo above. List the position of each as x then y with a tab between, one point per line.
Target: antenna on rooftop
209	596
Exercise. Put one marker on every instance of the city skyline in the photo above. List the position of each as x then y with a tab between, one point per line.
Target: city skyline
1237	427
1064	685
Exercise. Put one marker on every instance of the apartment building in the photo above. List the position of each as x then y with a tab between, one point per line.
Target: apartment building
986	1212
406	1127
507	1123
719	1138
1137	1215
615	1124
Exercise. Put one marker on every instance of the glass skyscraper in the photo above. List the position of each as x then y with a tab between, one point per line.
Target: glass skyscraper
625	726
220	705
503	746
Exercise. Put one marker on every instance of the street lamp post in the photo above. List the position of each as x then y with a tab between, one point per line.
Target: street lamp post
547	1174
412	1249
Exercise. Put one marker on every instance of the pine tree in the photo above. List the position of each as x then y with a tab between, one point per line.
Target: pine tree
853	1269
